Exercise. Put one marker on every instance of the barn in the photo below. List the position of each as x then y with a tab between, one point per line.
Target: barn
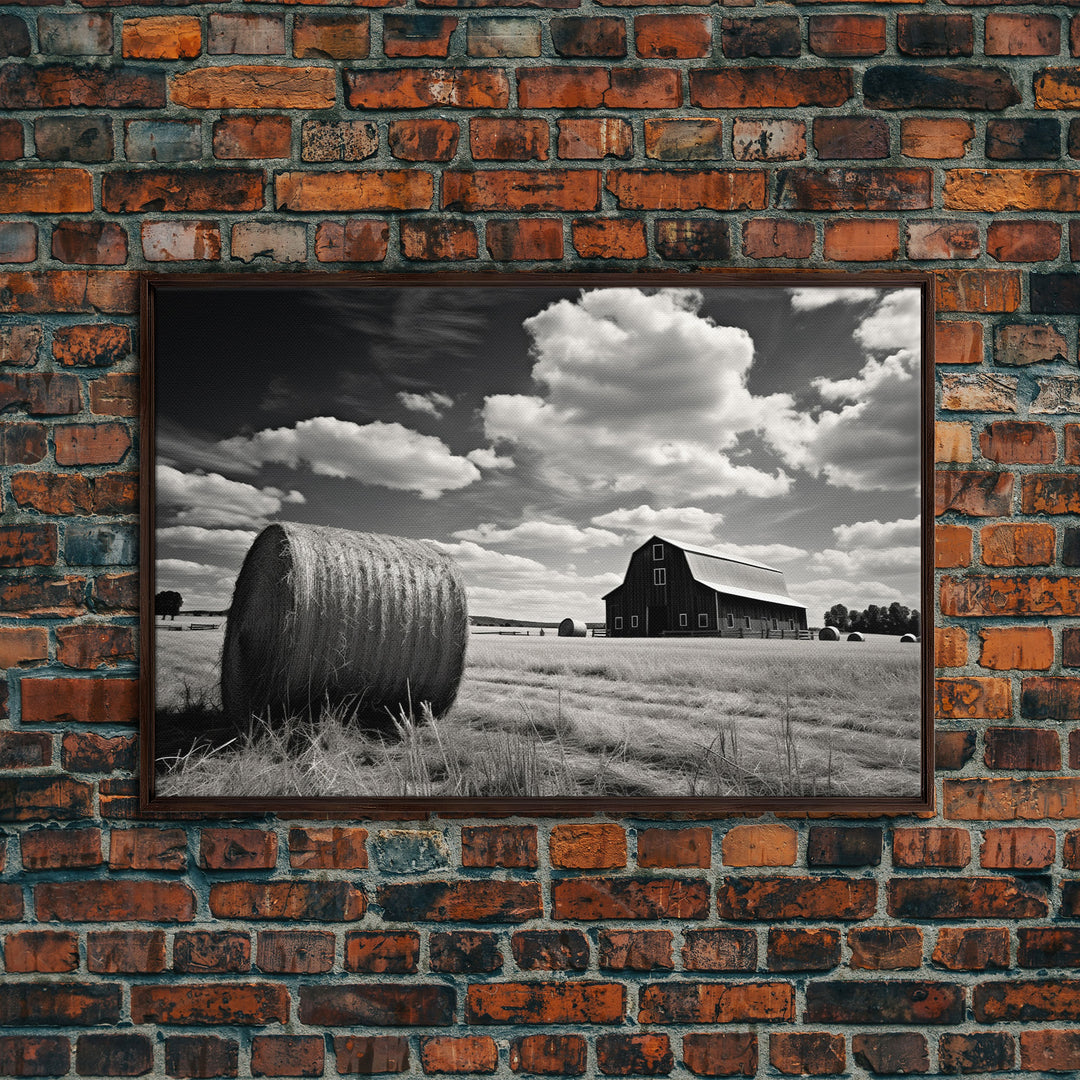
676	588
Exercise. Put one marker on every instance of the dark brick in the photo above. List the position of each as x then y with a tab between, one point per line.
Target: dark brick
56	1004
829	846
721	1053
549	1055
635	950
199	1057
803	950
968	898
382	953
461	901
34	1055
964	86
720	950
597	36
1055	294
114	1055
980	1051
890	1001
370	1055
1023	140
884	948
630	898
205	951
1027	999
1048	946
692	240
550	950
65	86
776	36
14	36
645	1054
377	1005
294	952
853	189
891	1053
935	35
953	749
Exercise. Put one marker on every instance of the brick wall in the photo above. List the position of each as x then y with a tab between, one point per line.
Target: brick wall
540	133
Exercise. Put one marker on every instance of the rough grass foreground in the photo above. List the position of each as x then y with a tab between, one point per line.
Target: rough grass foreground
551	716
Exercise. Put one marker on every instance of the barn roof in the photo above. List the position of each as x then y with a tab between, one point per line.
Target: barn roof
731	574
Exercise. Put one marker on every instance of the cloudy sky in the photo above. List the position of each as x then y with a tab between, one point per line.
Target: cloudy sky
540	434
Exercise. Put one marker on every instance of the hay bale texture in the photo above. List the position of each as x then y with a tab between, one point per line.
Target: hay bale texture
908	639
328	616
829	633
573	628
856	636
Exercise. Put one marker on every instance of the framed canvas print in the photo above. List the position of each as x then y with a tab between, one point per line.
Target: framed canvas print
652	542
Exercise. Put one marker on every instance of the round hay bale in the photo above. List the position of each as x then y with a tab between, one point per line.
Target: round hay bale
907	638
828	633
573	628
856	636
329	616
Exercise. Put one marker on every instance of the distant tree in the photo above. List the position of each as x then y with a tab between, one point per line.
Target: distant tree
914	623
168	603
837	616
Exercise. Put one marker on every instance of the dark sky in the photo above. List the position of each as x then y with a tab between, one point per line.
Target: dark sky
539	434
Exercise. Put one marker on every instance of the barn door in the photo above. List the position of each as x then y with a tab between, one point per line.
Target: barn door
658	619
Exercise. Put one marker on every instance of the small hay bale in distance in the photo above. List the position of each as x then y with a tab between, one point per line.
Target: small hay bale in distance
908	638
828	633
856	636
323	616
573	628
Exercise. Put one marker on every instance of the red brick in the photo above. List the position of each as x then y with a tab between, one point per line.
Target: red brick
885	948
114	901
148	849
92	646
377	1004
91	345
854	189
494	138
373	189
1022	35
769	87
111	292
583	37
61	849
201	951
89	753
928	846
721	1053
335	36
657	189
1030	798
1010	189
981	494
462	900
980	1051
172	191
1020	443
287	1055
376	952
45	191
629	898
41	394
771	238
254	87
933	139
977	290
238	849
25	749
550	950
715	1002
322	901
423	88
943	240
593	138
326	848
760	845
1050	698
292	952
23	646
91	444
803	950
1018	344
252	137
461	951
1017	647
114	395
524	239
209	1003
862	241
644	1054
521	190
666	37
20	344
43	798
950	647
59	1003
11	144
635	950
592	87
674	848
1027	999
720	950
125	951
973	697
1050	1051
972	948
848	137
967	898
1023	241
1050	493
807	1053
201	1056
34	1055
1017	849
459	1054
609	238
847	35
423	140
371	1054
684	140
162	37
549	1055
790	897
41	951
351	241
567	1002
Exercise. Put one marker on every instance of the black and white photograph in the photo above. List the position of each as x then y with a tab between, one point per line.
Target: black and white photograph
655	537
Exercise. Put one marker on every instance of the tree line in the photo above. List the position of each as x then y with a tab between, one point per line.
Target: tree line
894	619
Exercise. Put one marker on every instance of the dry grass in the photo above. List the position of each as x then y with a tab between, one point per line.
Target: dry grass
601	716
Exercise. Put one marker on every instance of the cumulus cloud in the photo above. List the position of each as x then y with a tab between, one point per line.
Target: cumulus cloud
638	391
202	585
487	458
234	541
561	535
769	554
690	524
820	594
893	560
209	499
382	454
815	297
878	534
433	403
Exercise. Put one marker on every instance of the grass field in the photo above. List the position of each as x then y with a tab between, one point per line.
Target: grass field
573	716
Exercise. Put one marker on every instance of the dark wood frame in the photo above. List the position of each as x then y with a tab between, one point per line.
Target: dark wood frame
348	807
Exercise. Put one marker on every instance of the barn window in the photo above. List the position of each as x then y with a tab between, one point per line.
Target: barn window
659	576
658	551
633	621
618	622
775	624
703	619
746	621
731	621
791	624
683	619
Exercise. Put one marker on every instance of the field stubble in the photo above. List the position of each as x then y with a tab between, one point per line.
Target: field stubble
571	716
